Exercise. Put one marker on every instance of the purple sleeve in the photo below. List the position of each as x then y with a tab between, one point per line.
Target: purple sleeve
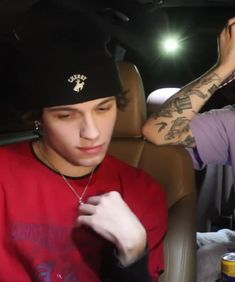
197	162
213	132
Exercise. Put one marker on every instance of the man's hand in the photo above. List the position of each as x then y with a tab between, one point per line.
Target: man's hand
111	218
227	46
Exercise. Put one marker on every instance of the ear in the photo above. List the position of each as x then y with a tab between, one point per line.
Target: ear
38	128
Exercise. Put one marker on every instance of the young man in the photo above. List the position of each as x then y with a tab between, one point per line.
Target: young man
69	211
209	137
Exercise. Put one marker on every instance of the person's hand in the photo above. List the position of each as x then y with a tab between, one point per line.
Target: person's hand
227	46
111	218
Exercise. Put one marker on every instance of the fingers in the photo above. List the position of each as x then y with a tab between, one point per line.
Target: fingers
87	209
85	214
226	44
231	29
96	200
230	26
231	21
86	221
98	209
90	207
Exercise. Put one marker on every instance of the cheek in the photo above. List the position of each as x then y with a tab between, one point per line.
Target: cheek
59	132
108	125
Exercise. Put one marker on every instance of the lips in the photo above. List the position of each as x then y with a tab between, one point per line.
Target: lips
91	149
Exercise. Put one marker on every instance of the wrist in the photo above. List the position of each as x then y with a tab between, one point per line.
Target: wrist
223	71
131	248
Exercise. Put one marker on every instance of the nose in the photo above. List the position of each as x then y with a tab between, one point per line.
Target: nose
89	129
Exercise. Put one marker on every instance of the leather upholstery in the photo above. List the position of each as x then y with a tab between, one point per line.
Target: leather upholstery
169	165
135	113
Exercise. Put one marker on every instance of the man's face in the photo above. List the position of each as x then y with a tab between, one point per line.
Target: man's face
80	133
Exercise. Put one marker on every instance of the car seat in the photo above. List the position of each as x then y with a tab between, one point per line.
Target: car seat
169	165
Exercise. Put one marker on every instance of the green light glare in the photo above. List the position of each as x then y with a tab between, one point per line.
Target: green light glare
170	45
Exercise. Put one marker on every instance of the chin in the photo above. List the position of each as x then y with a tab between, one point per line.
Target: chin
92	161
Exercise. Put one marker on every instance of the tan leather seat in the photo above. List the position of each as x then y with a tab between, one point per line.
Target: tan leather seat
172	167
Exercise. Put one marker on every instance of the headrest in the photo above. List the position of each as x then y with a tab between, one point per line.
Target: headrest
129	122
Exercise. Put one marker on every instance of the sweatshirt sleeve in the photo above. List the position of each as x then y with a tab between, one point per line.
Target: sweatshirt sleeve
213	132
136	272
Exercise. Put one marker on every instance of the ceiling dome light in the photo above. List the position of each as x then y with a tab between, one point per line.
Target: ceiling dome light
170	45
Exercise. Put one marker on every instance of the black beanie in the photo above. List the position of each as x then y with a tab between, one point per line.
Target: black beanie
62	67
65	74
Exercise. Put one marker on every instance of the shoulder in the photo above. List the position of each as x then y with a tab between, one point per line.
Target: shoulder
14	147
124	168
133	176
12	152
140	190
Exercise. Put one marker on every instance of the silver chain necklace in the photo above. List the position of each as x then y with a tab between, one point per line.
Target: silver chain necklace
80	197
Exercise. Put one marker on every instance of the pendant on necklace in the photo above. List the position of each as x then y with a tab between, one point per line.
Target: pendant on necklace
81	202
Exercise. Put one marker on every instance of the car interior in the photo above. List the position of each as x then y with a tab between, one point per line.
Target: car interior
160	46
169	165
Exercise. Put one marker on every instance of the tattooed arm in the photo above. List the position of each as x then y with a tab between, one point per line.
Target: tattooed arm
170	125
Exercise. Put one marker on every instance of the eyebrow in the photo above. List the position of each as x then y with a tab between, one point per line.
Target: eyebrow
70	108
106	101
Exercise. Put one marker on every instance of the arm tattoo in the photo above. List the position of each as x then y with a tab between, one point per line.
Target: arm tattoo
213	89
162	125
176	128
197	93
207	80
189	141
177	105
162	113
182	103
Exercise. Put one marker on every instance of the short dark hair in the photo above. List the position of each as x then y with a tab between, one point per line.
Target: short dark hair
122	100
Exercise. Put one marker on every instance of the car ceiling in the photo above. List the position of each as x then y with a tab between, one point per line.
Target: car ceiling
137	25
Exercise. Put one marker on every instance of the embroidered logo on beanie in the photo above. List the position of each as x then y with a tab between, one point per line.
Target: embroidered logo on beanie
79	80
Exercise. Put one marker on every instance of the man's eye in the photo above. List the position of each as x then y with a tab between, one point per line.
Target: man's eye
63	116
104	108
